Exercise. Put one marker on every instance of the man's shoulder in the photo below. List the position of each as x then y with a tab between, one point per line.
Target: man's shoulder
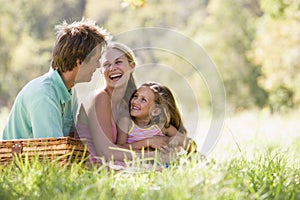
38	89
39	85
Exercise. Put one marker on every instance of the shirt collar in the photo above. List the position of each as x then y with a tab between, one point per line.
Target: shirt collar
60	87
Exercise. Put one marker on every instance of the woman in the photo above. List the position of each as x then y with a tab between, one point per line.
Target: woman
99	113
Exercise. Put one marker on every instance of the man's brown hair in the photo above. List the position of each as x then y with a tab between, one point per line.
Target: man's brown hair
77	41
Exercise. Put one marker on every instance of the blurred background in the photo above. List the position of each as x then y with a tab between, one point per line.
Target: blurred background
255	44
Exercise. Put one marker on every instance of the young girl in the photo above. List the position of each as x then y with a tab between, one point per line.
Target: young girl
153	113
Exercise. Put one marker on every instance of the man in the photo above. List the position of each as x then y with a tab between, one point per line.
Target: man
45	107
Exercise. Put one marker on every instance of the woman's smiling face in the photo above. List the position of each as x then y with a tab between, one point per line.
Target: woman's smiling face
115	67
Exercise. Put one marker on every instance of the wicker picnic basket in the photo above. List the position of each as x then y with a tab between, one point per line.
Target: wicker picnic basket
64	149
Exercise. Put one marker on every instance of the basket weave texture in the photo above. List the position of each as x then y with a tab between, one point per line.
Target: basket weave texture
62	149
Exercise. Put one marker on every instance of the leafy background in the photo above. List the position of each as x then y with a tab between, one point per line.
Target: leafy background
254	44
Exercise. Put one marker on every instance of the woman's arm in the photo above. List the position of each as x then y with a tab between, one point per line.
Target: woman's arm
102	109
123	129
124	123
179	139
103	141
156	142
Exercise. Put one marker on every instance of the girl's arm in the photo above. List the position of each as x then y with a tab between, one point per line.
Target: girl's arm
153	142
123	126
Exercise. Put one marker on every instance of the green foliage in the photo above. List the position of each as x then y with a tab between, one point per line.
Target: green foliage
280	8
253	43
169	14
134	3
276	49
227	33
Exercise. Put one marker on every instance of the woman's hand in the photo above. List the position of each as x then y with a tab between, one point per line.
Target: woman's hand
167	155
182	140
179	140
157	142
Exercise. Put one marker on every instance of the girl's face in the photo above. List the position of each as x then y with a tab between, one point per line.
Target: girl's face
115	67
141	103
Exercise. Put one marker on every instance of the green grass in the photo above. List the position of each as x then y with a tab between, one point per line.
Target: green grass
257	157
273	174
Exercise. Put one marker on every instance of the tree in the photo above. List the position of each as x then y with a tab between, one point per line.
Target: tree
227	33
277	49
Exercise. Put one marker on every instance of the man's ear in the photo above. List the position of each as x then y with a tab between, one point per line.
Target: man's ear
78	62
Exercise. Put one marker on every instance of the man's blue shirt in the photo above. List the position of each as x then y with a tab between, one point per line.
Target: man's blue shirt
44	108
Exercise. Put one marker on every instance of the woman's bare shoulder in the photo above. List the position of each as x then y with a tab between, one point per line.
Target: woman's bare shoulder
102	95
102	99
